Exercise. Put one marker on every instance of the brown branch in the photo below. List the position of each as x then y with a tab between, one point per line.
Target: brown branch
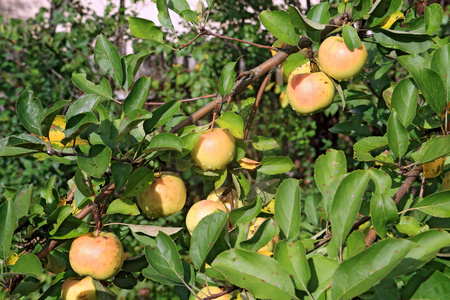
191	41
184	100
207	32
256	104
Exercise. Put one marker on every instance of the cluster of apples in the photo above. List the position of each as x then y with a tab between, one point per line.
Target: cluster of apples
310	91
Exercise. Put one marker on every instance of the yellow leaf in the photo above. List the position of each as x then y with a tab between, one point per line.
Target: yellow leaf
269	208
248	163
434	168
12	259
266	253
446	182
62	201
283	99
390	20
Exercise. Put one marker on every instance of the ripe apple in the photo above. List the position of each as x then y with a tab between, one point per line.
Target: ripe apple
77	288
252	230
338	61
214	149
200	210
100	257
211	290
310	93
215	196
164	197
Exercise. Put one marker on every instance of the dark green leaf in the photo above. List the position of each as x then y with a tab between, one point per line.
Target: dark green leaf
353	128
292	256
7	223
72	227
437	204
226	80
407	42
205	236
86	103
351	38
161	115
50	115
246	213
262	237
29	111
287	208
125	280
434	14
361	8
123	206
382	9
262	276
301	22
77	124
22	200
120	172
97	162
378	260
131	120
131	64
320	13
82	184
138	95
279	24
322	270
428	81
383	211
272	165
50	195
103	88
404	100
57	217
233	122
440	63
28	264
106	55
398	137
138	181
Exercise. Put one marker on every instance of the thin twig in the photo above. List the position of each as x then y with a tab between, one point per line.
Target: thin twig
207	32
184	100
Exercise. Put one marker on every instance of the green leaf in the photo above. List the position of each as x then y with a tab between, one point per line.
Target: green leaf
150	273
163	14
378	260
383	211
382	180
264	234
131	64
81	184
381	10
261	143
88	87
433	149
439	64
428	81
354	245
145	29
57	217
106	55
28	264
346	204
120	172
97	162
272	165
227	77
165	258
437	204
302	22
190	16
138	181
287	208
152	230
322	270
50	195
233	122
165	141
138	95
205	236
437	286
84	104
246	213
50	115
405	41
72	227
161	115
77	124
292	256
7	223
294	61
123	206
408	225
327	168
9	151
434	14
178	5
131	120
262	276
320	13
29	111
351	38
361	8
22	200
398	137
279	24
404	101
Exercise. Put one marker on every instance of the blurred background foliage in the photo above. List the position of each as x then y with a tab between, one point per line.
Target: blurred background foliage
41	53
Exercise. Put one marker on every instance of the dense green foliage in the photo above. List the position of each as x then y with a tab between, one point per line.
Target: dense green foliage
87	128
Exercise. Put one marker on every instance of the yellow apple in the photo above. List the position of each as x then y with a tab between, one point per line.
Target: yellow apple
100	257
164	197
200	210
252	230
214	149
78	289
211	290
310	93
338	61
215	196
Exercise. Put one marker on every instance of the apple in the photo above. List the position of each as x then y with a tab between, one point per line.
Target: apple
211	290
338	61
77	288
310	93
215	195
100	257
214	149
164	197
252	230
200	210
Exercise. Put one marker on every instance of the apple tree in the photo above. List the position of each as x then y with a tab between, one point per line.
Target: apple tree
377	228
